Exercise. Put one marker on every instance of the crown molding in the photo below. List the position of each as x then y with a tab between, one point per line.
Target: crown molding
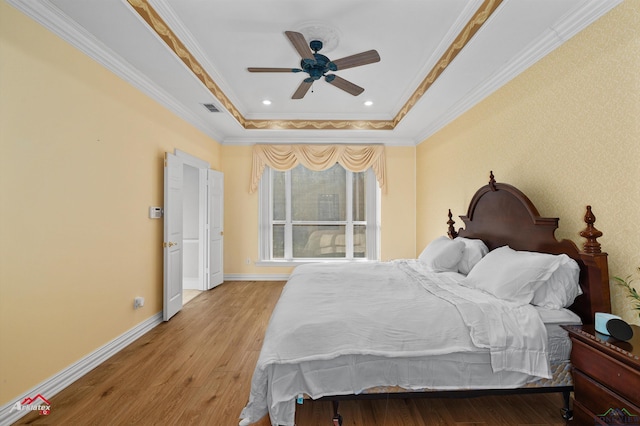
572	24
352	139
50	17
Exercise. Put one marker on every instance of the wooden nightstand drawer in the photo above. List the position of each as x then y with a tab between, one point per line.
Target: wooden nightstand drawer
582	416
597	398
619	377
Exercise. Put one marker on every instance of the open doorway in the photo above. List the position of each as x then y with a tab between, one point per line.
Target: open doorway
193	230
193	234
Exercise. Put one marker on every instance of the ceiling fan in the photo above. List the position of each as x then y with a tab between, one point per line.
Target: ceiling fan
317	65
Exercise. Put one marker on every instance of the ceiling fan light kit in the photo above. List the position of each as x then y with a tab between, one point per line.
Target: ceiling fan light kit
318	66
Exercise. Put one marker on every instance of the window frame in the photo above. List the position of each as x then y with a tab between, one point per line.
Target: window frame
266	222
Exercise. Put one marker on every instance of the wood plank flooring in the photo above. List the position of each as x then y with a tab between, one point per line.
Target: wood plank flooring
196	370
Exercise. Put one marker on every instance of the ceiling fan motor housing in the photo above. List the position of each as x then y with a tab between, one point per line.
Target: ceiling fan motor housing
315	45
320	66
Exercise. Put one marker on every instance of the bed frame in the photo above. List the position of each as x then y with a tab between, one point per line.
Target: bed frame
500	214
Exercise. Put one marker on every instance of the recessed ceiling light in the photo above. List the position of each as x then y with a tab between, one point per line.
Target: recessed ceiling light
368	103
266	102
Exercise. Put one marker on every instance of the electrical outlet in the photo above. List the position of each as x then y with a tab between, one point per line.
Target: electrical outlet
138	302
248	261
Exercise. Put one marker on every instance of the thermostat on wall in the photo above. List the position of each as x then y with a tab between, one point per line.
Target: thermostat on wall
155	212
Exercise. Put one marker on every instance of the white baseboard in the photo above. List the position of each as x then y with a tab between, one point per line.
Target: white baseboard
64	378
256	277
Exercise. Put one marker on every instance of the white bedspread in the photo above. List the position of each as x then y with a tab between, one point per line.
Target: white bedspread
333	311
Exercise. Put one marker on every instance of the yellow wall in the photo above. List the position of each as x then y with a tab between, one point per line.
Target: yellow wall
241	211
399	205
80	164
566	132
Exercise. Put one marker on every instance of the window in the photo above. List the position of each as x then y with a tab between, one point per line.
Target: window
331	214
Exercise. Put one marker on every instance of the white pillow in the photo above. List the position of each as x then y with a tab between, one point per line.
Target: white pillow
474	250
442	255
562	287
512	275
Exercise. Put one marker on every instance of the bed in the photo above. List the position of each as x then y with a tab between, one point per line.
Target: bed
456	325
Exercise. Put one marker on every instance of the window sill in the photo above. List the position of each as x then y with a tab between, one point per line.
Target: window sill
304	261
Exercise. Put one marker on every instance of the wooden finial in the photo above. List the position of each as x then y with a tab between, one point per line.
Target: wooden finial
451	231
591	233
492	181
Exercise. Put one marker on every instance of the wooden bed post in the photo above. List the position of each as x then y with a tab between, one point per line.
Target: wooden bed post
596	290
451	231
591	233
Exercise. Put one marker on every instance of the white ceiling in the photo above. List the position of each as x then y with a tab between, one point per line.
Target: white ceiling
227	36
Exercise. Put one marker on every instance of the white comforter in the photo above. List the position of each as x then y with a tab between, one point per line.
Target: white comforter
334	311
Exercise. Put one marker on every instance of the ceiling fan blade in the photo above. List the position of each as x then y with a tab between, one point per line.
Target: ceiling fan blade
302	90
274	69
364	58
345	85
300	44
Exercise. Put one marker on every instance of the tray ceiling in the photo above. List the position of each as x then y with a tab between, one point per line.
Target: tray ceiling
438	59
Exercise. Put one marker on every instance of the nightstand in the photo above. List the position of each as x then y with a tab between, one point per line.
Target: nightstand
606	377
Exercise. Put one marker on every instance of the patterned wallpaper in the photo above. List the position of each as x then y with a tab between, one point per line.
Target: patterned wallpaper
567	133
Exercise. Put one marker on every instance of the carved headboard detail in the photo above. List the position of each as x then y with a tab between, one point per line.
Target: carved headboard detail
500	214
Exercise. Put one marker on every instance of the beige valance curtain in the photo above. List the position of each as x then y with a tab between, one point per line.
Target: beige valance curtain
356	158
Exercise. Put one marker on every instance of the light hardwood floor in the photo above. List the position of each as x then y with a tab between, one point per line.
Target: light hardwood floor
196	370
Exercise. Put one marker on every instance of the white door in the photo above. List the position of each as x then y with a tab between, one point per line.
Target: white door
172	246
216	232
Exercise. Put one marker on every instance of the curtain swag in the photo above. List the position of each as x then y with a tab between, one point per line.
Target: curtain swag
356	158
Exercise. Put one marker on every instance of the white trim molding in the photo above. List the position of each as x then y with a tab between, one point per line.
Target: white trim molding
64	378
256	277
52	18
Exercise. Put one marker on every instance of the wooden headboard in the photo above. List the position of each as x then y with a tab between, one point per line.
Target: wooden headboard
500	214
